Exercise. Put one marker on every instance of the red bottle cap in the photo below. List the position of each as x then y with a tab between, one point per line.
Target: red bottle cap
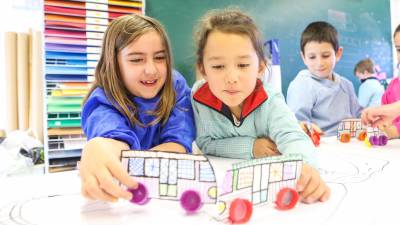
286	198
240	210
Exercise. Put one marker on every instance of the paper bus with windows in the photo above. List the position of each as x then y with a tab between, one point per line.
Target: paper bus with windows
350	128
169	175
191	180
259	181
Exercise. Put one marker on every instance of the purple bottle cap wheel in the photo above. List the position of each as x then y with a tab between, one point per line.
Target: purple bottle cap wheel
191	201
383	139
374	140
140	195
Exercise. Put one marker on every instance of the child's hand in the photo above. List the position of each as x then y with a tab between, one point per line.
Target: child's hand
316	128
389	130
311	187
263	147
380	115
100	168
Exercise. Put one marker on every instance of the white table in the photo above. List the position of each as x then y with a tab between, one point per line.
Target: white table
364	183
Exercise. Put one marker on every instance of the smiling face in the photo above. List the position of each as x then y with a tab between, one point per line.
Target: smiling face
231	67
320	58
143	65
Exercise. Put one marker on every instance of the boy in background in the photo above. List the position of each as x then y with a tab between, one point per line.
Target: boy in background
318	95
371	90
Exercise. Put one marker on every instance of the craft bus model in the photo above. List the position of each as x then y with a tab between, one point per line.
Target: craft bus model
190	179
351	128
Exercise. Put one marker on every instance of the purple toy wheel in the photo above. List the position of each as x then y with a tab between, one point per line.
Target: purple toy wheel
383	139
374	140
140	195
191	201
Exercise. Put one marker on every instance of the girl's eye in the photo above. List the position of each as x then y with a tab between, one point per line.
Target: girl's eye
160	58
218	67
326	56
311	57
136	60
243	65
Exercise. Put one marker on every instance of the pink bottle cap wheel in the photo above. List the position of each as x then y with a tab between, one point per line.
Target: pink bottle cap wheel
191	201
140	195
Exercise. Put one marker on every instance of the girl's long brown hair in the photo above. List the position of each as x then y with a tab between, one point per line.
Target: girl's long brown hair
119	34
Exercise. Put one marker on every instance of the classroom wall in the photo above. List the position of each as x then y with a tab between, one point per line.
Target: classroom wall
364	27
19	16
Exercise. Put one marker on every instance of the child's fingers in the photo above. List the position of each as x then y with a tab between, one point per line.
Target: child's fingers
311	187
326	195
304	178
364	118
271	152
303	126
92	188
315	194
317	129
108	184
86	194
371	117
115	167
380	123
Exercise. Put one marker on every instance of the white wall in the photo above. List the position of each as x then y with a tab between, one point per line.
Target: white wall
395	17
20	16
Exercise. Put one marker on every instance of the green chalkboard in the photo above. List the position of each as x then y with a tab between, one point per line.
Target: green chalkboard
363	25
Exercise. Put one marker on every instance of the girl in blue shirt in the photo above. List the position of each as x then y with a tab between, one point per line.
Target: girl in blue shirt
137	102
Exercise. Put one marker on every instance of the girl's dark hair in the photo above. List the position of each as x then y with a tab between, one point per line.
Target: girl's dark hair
228	20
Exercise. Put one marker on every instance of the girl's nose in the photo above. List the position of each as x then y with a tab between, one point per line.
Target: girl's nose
231	77
150	68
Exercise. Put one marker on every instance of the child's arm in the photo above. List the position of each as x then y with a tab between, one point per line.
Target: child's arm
101	119
108	133
170	147
355	107
381	115
300	99
390	130
99	168
178	133
283	128
396	125
286	132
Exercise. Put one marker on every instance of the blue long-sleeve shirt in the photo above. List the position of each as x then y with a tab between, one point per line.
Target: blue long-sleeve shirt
322	101
370	92
101	119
